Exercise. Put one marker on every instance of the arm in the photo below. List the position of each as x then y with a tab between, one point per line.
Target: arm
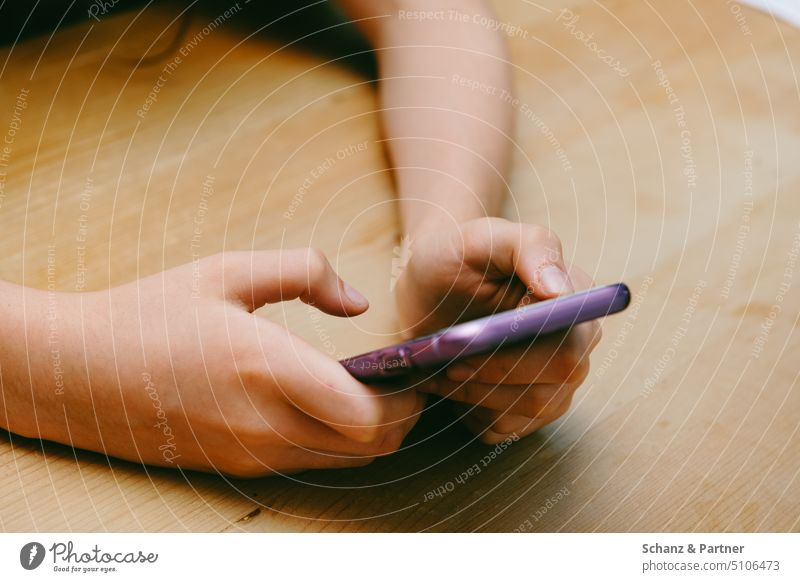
449	143
447	108
175	370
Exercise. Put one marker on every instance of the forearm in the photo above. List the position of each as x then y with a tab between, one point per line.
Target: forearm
445	97
42	387
21	358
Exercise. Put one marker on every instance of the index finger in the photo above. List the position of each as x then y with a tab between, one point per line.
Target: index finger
321	388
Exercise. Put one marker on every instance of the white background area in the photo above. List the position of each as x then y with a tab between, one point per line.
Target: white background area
788	10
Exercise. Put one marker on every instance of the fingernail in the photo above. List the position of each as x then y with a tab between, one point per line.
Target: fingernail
354	296
460	372
555	281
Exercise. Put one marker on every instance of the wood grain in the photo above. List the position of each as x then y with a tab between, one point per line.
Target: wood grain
689	419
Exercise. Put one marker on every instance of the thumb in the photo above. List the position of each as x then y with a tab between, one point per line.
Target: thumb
260	277
530	252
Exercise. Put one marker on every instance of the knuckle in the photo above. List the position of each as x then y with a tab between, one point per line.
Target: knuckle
248	365
547	416
316	259
540	401
498	369
557	411
547	236
490	437
250	369
506	425
563	408
571	364
532	406
252	431
579	371
564	363
487	416
539	231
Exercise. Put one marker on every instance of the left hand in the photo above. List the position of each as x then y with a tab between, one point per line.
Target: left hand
485	266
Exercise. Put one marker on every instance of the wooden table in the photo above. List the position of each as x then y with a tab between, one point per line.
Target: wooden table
673	168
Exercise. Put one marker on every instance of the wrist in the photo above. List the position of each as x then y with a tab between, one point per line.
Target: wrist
437	219
35	360
436	214
429	207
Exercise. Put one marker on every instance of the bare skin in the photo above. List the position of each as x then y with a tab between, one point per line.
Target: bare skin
168	372
176	370
447	114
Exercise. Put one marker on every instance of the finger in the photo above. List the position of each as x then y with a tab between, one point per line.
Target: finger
321	388
299	459
489	436
481	422
317	436
502	422
583	281
561	358
530	252
493	426
292	460
260	277
523	425
257	453
480	429
529	401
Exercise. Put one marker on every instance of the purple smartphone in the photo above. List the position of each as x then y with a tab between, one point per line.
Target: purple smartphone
489	333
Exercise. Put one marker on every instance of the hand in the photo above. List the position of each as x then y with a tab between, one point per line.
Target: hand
176	370
485	266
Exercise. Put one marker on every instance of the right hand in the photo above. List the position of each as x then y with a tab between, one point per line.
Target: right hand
176	370
485	266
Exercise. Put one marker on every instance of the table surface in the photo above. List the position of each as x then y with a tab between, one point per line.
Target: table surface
674	173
